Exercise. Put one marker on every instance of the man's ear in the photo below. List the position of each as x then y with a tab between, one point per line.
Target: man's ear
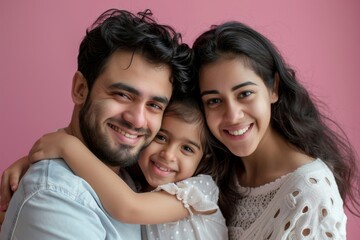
275	90
79	89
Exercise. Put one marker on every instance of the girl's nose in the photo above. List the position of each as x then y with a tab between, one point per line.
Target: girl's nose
168	154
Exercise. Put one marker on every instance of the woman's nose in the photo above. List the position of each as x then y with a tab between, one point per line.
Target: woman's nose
233	111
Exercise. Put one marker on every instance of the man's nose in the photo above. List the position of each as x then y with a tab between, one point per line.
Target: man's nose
136	115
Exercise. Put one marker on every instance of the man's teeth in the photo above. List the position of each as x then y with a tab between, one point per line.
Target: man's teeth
122	132
239	132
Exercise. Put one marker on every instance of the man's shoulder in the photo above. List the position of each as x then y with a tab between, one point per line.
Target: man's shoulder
55	176
51	197
49	170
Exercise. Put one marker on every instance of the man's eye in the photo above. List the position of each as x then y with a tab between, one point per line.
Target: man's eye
123	95
156	106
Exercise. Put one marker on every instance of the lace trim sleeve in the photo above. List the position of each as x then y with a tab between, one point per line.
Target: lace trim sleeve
199	193
319	209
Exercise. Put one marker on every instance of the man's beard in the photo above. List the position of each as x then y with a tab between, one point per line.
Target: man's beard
123	155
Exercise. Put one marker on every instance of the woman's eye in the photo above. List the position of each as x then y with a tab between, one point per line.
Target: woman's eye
213	101
245	94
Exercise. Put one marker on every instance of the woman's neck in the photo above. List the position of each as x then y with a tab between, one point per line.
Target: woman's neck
273	158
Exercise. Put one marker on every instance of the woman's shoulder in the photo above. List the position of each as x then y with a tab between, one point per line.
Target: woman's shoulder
315	183
310	197
314	172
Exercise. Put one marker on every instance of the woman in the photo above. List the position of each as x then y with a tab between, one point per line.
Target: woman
288	172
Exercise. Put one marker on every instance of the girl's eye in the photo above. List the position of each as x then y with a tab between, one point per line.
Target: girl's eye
160	138
188	149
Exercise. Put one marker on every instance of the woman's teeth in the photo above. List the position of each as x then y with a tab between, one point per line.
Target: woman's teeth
239	132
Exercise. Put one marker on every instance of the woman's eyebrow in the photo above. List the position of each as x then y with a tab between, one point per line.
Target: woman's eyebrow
242	85
209	92
233	88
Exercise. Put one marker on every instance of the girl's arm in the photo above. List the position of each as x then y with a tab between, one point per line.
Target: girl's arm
10	180
117	197
2	216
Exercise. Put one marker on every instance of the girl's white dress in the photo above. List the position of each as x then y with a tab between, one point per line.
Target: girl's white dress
201	193
304	204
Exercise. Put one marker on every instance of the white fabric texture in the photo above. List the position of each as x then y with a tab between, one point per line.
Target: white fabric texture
304	204
200	193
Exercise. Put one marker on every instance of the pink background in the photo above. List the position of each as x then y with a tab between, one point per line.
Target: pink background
39	40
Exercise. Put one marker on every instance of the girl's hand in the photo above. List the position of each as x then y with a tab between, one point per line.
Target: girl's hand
2	216
10	180
47	147
51	146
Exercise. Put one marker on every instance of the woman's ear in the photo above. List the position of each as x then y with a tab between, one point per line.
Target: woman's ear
79	89
275	90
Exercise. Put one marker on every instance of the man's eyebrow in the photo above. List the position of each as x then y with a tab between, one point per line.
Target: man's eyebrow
232	89
122	86
125	87
163	100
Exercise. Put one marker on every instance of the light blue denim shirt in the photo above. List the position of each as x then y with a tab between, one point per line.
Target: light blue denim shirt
53	203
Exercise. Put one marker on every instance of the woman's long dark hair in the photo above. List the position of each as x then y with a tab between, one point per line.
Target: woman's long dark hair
295	116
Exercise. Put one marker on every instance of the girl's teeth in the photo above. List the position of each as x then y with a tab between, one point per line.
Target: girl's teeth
162	168
239	132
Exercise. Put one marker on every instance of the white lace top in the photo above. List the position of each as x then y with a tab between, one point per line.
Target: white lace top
201	193
254	203
305	204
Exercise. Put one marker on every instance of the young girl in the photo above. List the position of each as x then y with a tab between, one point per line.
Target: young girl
287	171
182	202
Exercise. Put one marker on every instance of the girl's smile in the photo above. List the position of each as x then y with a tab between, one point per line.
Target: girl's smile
174	154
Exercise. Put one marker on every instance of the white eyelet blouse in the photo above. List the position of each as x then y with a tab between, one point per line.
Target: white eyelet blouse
304	204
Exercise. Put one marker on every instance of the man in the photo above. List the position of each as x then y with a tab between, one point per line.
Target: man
128	68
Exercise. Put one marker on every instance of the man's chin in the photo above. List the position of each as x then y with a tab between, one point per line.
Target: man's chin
121	162
123	155
124	158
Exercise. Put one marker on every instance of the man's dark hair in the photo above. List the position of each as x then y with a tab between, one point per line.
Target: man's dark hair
121	30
